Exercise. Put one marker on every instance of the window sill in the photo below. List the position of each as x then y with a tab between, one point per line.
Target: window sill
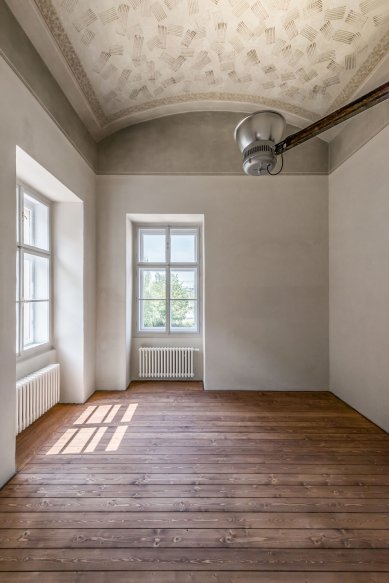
160	335
34	351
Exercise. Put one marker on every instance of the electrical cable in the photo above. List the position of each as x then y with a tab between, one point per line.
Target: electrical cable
280	170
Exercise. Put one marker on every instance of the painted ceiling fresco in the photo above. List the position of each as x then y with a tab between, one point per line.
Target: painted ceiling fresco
305	57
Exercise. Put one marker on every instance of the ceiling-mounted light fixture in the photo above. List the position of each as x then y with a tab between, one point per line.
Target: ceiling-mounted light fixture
258	135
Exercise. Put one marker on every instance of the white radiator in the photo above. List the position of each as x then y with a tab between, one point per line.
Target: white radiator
35	394
166	363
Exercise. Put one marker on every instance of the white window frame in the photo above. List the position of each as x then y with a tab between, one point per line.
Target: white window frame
138	265
22	248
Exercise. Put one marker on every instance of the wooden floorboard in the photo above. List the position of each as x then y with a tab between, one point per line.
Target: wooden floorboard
166	483
192	577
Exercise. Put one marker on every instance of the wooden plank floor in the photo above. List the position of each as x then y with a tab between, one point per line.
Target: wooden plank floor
167	483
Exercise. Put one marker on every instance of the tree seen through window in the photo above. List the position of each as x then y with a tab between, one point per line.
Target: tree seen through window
182	305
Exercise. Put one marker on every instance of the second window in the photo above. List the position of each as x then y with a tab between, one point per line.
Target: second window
168	279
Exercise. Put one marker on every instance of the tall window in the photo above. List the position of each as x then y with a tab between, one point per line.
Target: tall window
33	268
168	275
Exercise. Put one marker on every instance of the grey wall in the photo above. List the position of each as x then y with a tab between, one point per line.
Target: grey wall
359	280
194	143
356	133
18	51
265	275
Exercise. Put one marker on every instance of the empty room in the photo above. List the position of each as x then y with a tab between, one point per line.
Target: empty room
194	291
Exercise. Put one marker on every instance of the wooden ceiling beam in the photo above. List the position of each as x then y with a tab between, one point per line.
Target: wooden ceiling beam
336	117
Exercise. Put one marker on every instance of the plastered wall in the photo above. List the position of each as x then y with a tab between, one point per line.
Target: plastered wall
20	54
265	275
359	280
195	143
25	123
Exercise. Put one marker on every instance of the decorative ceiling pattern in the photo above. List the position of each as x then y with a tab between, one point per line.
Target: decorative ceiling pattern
300	56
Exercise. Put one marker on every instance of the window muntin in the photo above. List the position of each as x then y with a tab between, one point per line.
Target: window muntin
33	269
168	280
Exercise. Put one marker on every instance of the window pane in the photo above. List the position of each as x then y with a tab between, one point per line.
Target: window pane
35	223
152	315
183	245
36	277
152	245
183	315
17	275
152	284
17	214
35	323
17	328
183	284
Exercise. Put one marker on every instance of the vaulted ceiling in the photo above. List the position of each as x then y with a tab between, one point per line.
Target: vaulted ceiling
135	59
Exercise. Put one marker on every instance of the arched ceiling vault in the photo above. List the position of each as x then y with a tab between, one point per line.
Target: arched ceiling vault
124	61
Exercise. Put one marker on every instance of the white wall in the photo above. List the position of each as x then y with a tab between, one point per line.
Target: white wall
359	280
24	123
265	275
68	298
27	366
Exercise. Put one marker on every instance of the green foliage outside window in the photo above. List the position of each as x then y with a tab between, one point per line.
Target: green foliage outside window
181	306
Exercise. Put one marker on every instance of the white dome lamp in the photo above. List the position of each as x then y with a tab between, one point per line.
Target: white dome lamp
257	136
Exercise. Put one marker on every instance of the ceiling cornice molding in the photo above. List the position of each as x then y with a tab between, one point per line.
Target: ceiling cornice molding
186	107
379	52
237	99
32	22
59	34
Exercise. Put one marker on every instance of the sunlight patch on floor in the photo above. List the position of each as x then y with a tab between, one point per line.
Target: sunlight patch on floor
95	440
128	415
62	441
111	414
99	415
84	415
87	439
117	437
80	440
